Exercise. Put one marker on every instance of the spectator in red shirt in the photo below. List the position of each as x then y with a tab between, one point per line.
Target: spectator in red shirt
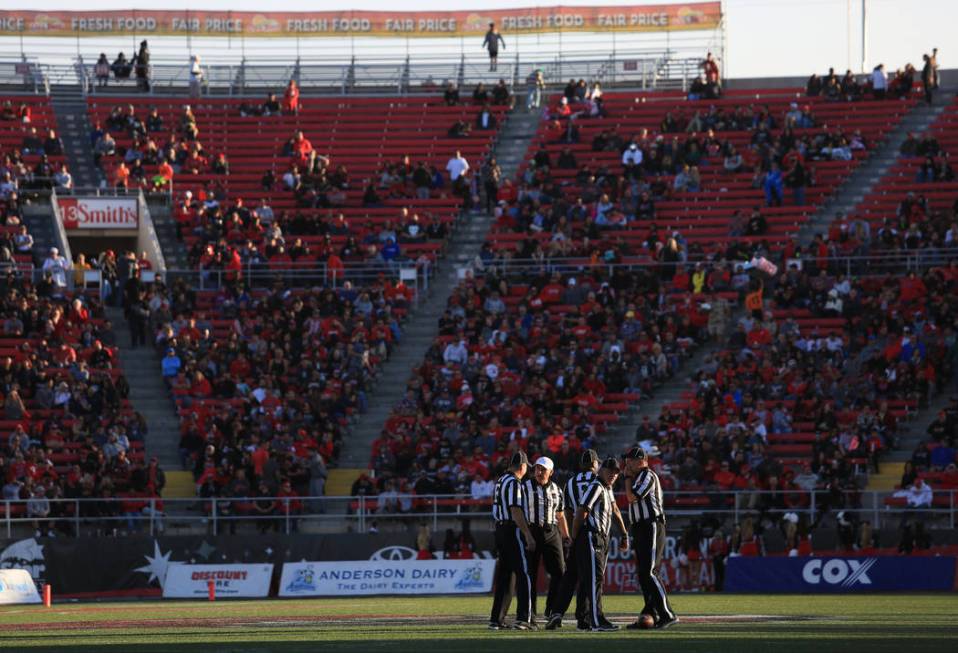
291	98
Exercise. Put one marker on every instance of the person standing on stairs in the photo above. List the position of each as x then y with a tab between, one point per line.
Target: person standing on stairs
138	316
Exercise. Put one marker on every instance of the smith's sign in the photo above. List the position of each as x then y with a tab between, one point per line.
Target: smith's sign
99	212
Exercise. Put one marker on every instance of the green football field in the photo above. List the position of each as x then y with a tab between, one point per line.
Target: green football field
710	622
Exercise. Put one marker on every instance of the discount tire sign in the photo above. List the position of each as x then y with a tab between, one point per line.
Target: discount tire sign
99	212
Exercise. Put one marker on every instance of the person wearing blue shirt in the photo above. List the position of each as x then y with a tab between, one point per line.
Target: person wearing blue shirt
390	251
773	186
171	364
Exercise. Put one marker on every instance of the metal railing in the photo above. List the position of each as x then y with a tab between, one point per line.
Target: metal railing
382	67
866	265
131	515
415	274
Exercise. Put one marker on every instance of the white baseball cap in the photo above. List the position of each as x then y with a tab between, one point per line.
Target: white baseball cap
546	462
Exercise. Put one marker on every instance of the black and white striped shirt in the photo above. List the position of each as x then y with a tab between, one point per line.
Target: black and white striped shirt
508	494
648	504
542	502
575	488
600	502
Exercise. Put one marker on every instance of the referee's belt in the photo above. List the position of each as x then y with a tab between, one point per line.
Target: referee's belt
547	528
505	522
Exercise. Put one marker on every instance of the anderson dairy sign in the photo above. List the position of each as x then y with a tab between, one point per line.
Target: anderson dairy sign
99	213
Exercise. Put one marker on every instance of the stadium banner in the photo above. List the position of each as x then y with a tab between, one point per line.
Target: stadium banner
137	565
99	212
289	24
363	578
839	575
17	586
231	581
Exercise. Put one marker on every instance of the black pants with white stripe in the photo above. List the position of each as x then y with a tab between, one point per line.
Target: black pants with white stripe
511	551
568	587
591	553
648	541
549	551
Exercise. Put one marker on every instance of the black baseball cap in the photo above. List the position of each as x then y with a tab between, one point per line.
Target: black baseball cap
589	458
612	463
519	458
636	453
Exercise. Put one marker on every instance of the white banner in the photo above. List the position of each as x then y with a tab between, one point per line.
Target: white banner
386	577
17	586
192	581
99	212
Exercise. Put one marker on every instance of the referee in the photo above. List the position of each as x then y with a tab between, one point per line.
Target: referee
513	537
574	490
549	529
590	533
647	515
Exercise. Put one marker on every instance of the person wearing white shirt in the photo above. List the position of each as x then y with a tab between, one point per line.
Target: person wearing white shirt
456	352
918	495
879	82
457	166
58	267
482	489
631	160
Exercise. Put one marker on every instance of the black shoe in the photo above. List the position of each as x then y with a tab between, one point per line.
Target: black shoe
583	625
635	625
605	628
526	625
666	623
555	621
497	625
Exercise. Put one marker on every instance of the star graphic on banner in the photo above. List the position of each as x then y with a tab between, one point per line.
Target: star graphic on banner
269	551
158	564
205	550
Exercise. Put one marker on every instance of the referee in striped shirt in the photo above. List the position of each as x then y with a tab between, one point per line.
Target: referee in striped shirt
548	525
647	515
513	538
574	489
590	534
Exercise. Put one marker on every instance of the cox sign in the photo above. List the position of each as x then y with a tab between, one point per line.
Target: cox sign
99	212
835	575
838	572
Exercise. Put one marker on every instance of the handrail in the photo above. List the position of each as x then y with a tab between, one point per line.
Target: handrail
63	243
351	512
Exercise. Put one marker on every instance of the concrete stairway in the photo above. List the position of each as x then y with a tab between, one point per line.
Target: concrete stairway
149	395
845	199
420	331
39	220
73	125
174	252
622	436
869	173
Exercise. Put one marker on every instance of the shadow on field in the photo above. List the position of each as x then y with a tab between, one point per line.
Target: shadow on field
732	640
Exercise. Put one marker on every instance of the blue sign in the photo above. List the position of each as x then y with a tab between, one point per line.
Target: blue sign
837	575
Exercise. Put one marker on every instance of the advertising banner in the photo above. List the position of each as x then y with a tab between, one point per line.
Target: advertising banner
142	24
99	212
231	581
386	577
17	586
838	575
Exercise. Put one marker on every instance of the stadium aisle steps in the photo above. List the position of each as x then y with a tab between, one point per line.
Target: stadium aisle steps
149	395
420	330
179	485
888	478
339	483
